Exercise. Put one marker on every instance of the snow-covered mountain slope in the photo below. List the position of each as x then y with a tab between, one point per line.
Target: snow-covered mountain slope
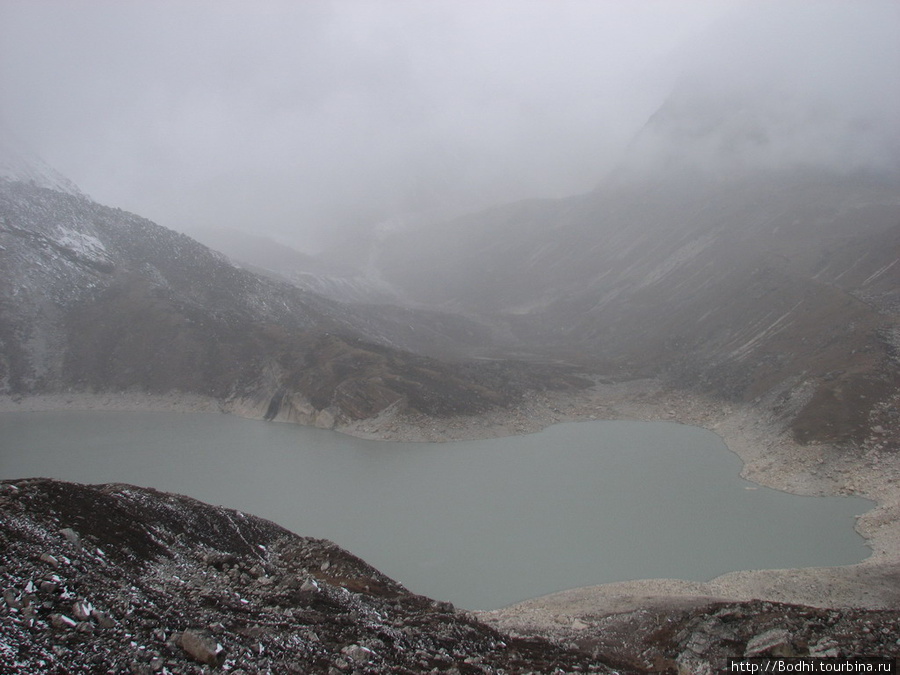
96	299
19	164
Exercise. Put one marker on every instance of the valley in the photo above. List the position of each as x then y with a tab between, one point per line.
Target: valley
379	247
776	331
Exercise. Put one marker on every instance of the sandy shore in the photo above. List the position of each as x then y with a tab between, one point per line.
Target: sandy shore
769	456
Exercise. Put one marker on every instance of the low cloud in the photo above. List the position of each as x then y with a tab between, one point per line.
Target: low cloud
310	120
782	85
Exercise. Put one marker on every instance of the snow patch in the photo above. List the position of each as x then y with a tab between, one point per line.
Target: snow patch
18	163
81	243
84	246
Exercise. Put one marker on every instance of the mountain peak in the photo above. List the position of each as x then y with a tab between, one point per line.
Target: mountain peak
18	163
721	133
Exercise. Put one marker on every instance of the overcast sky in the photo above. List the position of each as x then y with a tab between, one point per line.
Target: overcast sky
299	118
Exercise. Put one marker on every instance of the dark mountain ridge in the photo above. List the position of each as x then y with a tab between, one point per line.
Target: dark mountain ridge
94	299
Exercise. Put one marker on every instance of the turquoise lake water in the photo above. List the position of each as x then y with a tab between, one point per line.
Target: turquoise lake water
481	524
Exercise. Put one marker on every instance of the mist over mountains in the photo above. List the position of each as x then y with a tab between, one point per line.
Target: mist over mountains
777	287
19	164
743	245
315	123
741	249
399	219
98	300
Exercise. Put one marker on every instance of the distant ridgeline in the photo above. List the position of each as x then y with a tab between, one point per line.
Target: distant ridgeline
779	288
95	299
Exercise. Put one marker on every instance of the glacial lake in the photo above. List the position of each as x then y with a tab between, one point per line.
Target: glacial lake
481	524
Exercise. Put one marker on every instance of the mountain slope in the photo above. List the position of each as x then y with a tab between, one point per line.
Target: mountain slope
777	287
271	258
747	247
98	300
19	164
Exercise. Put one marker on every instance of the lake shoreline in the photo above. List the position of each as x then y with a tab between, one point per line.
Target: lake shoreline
769	458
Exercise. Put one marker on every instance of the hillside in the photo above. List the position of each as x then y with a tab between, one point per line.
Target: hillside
116	577
94	299
745	248
780	289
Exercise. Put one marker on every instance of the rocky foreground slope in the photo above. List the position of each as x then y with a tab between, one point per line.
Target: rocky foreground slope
116	578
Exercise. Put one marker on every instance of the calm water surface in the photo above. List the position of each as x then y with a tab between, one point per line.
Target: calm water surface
479	523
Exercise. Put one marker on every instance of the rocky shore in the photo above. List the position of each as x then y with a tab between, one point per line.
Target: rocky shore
770	458
871	470
691	627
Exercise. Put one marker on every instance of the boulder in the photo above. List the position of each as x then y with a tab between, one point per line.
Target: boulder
358	653
325	419
773	642
71	536
82	610
50	560
62	621
202	648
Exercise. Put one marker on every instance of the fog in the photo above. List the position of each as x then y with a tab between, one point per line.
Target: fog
306	121
780	86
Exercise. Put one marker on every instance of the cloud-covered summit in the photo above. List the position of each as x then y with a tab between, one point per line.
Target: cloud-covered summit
18	163
782	86
313	121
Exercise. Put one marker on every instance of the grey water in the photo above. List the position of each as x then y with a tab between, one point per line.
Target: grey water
481	524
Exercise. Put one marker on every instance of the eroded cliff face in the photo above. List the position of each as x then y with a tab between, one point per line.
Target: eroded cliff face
116	577
93	299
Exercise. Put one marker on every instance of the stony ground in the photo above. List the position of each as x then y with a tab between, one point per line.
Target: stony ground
119	579
697	635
